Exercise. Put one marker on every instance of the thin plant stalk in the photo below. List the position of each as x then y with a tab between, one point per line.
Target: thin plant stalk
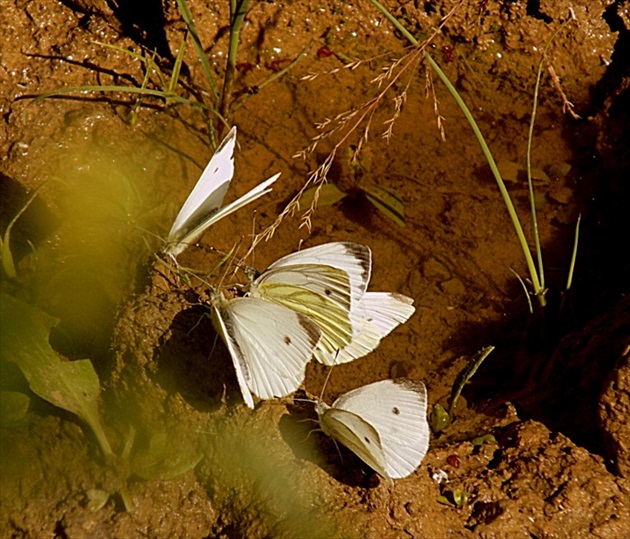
133	115
527	294
177	67
238	9
574	254
283	71
130	90
530	183
6	256
201	54
274	77
531	266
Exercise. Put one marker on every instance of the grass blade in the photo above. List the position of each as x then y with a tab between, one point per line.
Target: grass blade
531	266
177	67
238	9
201	54
6	256
530	183
574	254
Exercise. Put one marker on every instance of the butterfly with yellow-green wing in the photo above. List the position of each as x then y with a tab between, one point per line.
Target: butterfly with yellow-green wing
376	316
384	424
322	283
372	315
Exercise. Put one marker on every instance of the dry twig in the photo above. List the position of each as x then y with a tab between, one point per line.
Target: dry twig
347	122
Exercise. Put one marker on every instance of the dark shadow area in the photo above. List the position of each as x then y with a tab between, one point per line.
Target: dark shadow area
194	362
144	22
300	430
34	226
554	365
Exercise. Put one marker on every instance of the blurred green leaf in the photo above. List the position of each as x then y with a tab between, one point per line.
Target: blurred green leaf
328	195
454	498
459	498
167	457
96	499
465	375
8	264
13	408
73	386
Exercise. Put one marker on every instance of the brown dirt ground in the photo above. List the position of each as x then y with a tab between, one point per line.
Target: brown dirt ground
555	394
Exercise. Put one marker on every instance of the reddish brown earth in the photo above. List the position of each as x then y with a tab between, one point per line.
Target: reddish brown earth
555	393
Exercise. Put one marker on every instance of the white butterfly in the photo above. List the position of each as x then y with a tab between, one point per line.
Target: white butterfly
321	282
203	206
377	314
353	258
384	424
270	344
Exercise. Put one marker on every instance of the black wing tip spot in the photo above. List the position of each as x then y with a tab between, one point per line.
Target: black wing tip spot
287	340
366	440
396	410
328	292
412	385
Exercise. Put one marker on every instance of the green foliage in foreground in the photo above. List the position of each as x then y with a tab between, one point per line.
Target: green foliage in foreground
74	386
71	385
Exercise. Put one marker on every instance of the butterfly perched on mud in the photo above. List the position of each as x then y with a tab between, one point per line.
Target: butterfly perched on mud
203	208
383	423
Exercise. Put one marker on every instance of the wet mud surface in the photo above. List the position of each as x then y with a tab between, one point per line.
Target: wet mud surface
192	460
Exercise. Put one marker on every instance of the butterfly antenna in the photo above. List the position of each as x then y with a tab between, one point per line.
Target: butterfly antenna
251	249
225	259
195	326
231	260
321	396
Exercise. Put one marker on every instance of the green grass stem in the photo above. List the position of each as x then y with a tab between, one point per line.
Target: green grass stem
530	183
201	53
238	10
130	90
574	254
177	68
531	266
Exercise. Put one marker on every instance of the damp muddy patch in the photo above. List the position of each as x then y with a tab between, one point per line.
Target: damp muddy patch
546	410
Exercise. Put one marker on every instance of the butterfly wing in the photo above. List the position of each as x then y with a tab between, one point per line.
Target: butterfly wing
353	258
203	206
355	433
320	292
270	345
207	195
387	310
377	315
324	280
365	338
241	365
261	189
397	410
